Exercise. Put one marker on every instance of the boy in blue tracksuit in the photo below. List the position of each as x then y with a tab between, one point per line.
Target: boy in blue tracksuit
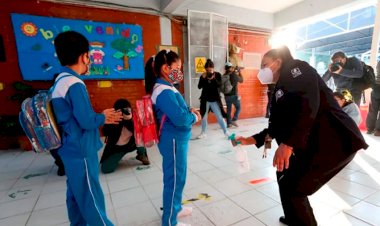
80	136
161	72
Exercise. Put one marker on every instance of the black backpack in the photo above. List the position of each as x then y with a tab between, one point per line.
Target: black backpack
367	80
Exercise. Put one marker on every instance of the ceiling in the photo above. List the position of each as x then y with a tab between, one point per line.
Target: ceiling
269	6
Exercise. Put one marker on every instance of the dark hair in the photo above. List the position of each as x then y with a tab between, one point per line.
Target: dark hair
282	53
121	103
209	63
153	67
339	54
69	45
344	95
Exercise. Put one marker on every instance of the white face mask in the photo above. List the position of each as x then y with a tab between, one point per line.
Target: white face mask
265	76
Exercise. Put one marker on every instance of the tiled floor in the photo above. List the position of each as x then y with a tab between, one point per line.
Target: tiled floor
32	194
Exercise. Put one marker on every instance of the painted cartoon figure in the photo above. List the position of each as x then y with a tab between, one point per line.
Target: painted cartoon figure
96	53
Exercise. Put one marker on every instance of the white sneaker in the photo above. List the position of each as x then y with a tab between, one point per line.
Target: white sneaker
182	224
202	135
186	211
227	134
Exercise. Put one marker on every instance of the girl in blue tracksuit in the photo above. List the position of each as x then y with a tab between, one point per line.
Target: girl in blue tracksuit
161	71
80	136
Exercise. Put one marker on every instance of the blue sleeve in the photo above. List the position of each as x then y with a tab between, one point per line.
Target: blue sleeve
82	109
167	102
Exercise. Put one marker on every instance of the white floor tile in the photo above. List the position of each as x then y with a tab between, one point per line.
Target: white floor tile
17	207
47	217
366	212
51	200
138	214
128	197
224	213
123	183
15	220
249	201
252	221
343	219
231	187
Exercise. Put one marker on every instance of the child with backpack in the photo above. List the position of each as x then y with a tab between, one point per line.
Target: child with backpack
161	71
80	136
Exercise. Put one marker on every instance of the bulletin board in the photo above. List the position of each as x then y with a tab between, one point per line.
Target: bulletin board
116	50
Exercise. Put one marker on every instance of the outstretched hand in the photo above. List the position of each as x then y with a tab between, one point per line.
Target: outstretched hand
245	140
112	116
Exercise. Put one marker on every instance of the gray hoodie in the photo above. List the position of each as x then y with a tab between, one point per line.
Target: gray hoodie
353	111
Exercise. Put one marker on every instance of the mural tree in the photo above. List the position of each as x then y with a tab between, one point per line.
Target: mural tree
125	50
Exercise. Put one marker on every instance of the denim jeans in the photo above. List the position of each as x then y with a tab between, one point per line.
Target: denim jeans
215	108
234	99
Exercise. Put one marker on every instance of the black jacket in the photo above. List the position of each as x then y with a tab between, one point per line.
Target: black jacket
305	116
235	78
351	70
210	93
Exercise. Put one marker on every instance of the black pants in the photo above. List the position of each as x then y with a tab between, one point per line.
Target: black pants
112	155
373	118
299	181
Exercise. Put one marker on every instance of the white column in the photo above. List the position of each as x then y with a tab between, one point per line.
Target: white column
166	31
375	37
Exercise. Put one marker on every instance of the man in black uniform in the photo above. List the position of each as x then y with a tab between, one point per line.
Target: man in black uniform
316	138
344	71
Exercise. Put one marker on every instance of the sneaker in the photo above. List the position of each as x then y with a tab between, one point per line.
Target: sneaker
229	125
185	211
377	133
201	136
144	159
182	224
234	123
370	131
227	134
61	171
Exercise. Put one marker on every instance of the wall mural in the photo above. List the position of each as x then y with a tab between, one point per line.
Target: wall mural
116	50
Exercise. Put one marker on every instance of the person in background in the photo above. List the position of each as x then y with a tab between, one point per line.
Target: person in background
344	70
80	132
315	138
210	83
176	118
120	140
344	100
373	117
232	76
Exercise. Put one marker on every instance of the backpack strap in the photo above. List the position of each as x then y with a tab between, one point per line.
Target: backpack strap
163	117
59	77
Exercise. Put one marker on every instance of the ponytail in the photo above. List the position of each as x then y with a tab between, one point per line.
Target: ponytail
150	76
153	67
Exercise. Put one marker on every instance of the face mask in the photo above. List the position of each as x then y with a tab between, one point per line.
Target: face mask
265	76
175	75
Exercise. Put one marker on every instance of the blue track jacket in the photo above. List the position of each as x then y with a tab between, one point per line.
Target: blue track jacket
75	116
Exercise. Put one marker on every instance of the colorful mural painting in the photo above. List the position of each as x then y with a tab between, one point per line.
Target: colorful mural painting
116	50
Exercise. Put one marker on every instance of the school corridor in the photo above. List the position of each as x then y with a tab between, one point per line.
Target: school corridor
221	190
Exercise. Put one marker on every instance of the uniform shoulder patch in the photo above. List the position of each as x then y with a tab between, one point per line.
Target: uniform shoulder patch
279	94
296	72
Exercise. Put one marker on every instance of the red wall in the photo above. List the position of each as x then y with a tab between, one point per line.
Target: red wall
101	97
253	93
